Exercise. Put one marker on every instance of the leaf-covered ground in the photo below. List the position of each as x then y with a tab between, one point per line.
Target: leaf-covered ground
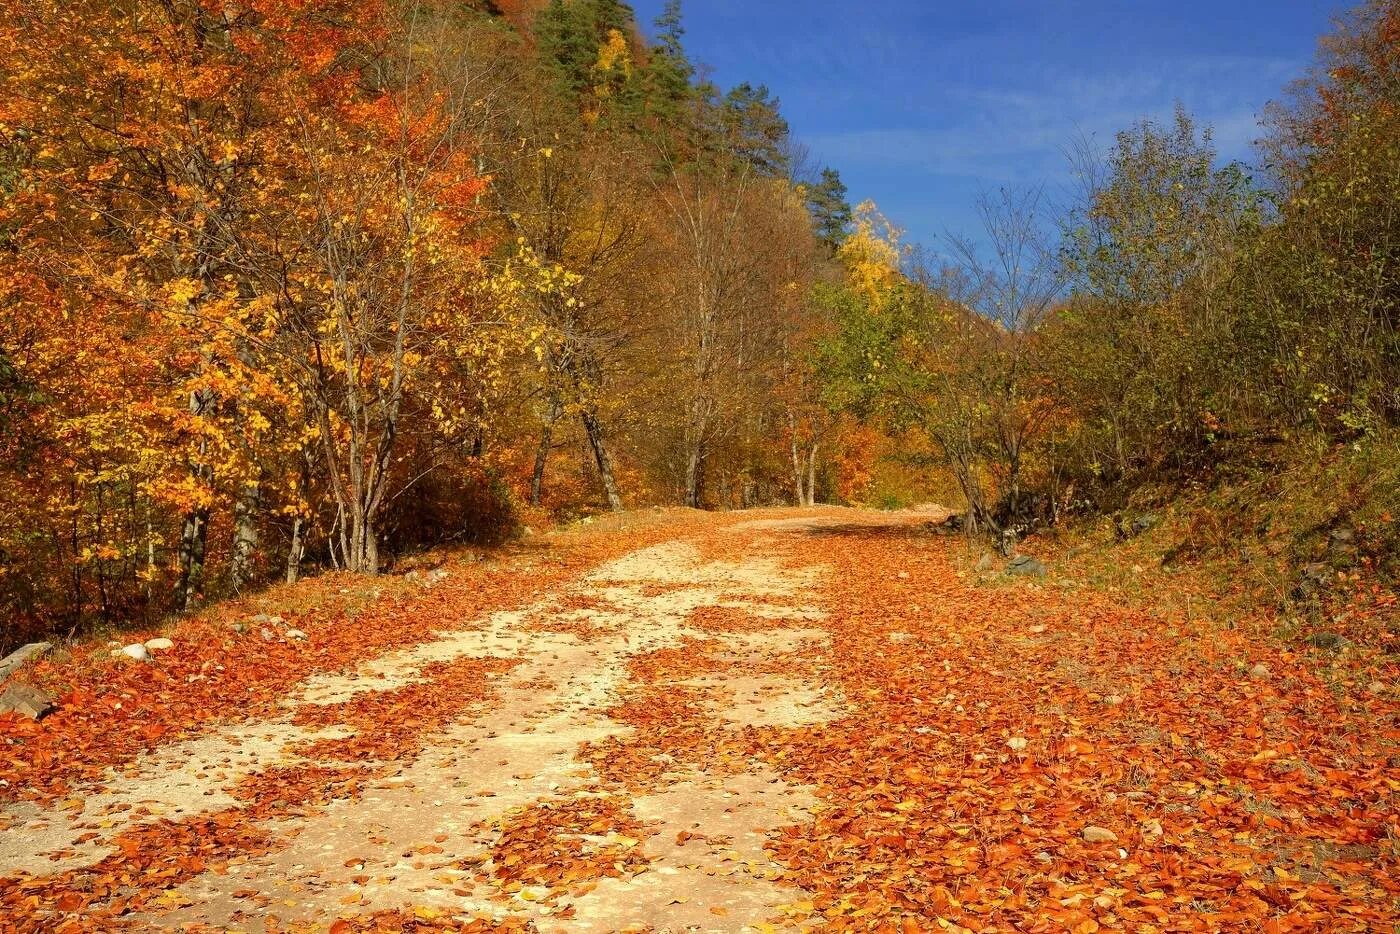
767	721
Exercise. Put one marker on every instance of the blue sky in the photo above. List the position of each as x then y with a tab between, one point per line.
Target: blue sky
922	104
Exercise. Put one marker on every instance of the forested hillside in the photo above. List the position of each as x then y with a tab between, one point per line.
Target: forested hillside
292	286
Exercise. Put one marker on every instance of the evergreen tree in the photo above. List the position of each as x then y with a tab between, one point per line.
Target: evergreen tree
666	79
755	129
831	212
571	36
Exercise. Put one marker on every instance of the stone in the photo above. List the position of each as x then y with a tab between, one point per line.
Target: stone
1025	566
1260	671
986	563
1329	641
263	619
295	634
25	700
267	634
136	652
12	662
1341	541
1092	834
1145	523
160	644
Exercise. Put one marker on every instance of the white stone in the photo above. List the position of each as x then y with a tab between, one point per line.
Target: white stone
1092	834
159	644
136	651
295	634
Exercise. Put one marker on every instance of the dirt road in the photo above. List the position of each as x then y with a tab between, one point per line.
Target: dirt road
787	720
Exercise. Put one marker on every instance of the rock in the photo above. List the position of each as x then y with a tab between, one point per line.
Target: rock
136	652
986	563
952	525
1329	641
11	663
1025	566
1310	579
437	575
1144	523
1092	834
267	634
25	700
159	645
263	619
240	627
1037	629
1260	671
295	634
1016	743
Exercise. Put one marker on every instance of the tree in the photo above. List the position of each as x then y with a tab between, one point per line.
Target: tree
584	45
831	212
666	76
1145	252
753	130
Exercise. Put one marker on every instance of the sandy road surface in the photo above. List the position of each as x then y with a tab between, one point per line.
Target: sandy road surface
424	835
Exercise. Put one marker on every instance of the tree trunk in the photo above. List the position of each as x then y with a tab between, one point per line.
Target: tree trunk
600	454
809	496
294	551
245	536
695	477
800	494
363	555
542	454
194	534
194	531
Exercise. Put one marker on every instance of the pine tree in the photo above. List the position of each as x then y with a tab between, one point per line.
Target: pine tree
756	130
571	34
666	79
831	212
